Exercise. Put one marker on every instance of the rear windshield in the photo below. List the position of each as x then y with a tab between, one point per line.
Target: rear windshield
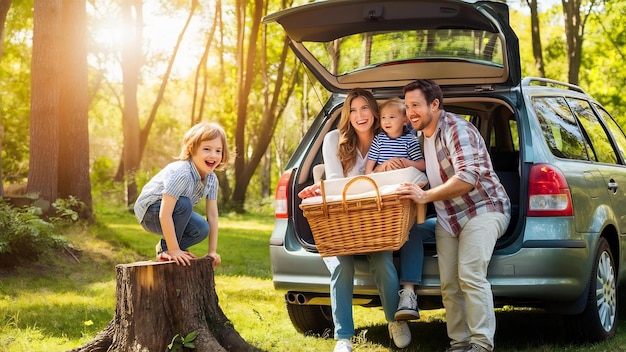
363	50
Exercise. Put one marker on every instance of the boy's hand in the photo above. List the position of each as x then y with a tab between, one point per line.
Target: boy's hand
391	164
179	256
217	260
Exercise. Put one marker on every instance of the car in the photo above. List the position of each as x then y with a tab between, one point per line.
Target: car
558	152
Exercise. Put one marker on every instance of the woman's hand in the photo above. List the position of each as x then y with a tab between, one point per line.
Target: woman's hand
310	191
413	192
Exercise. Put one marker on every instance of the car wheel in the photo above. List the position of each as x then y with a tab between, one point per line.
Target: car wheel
311	319
598	321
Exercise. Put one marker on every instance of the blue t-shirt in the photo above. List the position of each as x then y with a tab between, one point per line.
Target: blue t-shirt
384	148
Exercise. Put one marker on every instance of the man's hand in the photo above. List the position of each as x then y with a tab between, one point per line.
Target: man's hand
413	192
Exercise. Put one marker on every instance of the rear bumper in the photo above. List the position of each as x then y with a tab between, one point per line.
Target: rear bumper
540	272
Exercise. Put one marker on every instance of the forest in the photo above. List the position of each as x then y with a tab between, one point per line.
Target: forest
96	94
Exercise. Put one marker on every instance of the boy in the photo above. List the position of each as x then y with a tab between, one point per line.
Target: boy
395	141
165	205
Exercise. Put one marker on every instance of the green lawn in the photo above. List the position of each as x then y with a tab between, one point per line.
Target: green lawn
55	306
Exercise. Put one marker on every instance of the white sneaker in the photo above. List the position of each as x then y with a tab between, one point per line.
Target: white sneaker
407	308
343	345
400	333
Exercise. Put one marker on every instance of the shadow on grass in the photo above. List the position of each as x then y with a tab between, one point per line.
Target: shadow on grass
517	330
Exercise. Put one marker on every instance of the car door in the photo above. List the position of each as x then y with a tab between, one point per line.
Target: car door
605	150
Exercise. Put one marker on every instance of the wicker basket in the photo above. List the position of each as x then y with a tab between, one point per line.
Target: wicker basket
358	226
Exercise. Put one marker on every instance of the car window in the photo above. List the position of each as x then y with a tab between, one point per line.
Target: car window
560	129
601	146
501	140
616	131
362	50
514	134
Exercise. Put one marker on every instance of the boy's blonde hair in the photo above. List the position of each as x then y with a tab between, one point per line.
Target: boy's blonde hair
397	102
204	131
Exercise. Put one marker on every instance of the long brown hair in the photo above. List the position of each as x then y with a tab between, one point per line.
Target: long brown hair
348	139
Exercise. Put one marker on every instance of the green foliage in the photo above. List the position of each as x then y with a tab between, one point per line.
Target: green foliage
179	342
67	210
102	171
15	91
24	236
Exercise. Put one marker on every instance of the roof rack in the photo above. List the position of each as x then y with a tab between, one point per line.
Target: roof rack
527	81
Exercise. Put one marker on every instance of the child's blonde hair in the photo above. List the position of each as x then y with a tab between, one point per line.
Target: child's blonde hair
204	131
397	102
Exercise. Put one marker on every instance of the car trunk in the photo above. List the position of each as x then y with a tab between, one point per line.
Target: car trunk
387	44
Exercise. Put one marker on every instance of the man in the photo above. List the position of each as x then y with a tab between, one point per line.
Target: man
473	211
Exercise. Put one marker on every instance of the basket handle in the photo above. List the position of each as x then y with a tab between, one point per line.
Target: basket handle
379	201
324	206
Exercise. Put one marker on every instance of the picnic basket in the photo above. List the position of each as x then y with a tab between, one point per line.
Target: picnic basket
359	225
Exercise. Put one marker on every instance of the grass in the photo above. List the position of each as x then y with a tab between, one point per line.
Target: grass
63	302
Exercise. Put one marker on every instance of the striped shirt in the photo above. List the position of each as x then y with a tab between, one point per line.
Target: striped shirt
384	148
460	151
177	179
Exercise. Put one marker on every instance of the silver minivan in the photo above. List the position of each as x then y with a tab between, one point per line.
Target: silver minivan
560	155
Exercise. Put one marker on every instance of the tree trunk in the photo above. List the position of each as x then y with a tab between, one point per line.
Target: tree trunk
157	301
145	131
574	32
44	105
536	37
73	179
132	60
257	139
4	9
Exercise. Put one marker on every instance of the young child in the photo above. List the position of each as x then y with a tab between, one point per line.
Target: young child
165	205
395	140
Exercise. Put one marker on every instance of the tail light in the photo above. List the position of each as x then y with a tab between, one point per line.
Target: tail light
548	192
281	210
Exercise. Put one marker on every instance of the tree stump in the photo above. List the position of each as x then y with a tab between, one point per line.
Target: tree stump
155	301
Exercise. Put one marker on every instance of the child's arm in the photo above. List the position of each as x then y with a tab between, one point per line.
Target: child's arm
369	166
212	215
167	225
418	164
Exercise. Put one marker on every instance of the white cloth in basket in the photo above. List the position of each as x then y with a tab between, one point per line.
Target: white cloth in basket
387	182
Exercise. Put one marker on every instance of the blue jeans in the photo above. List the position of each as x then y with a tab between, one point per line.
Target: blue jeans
341	289
190	227
412	252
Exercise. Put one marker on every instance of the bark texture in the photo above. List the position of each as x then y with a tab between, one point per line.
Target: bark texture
156	301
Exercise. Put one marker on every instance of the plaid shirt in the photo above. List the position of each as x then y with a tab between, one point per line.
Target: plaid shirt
461	151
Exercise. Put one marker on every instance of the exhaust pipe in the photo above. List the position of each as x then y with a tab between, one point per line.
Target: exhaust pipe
301	299
290	297
308	298
297	298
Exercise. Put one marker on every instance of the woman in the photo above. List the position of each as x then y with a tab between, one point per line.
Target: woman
344	151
